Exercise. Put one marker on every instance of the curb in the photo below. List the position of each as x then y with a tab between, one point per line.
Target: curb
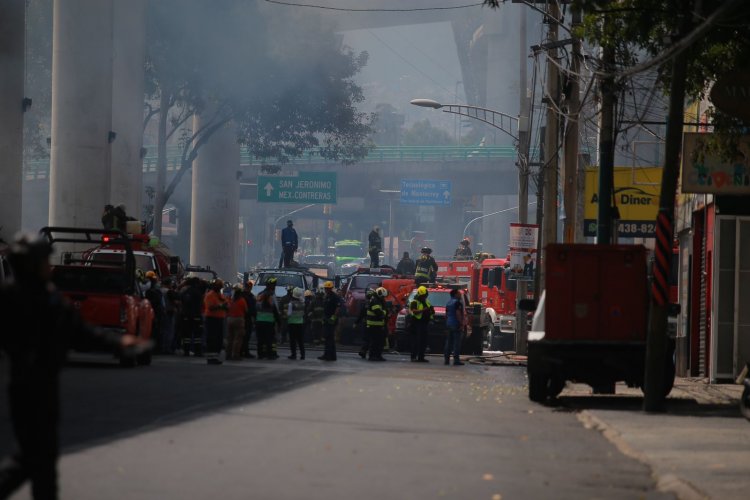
667	483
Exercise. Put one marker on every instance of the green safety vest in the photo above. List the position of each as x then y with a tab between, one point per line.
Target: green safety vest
420	308
298	313
423	269
265	311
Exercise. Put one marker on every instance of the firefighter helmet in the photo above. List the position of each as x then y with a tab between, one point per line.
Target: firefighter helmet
271	282
382	292
328	285
151	275
427	250
422	291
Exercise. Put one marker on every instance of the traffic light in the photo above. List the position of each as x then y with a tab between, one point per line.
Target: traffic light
249	243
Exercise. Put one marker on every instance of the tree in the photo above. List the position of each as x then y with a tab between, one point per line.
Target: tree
238	62
422	133
388	126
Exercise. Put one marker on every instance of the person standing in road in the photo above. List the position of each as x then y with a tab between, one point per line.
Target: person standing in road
454	320
156	299
421	312
317	316
36	349
215	307
296	323
362	317
331	307
236	323
376	319
426	268
267	319
284	325
250	316
191	298
289	243
376	246
406	266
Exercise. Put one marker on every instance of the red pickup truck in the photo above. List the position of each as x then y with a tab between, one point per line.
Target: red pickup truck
108	296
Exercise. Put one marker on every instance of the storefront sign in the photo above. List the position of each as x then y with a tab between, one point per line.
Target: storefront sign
636	196
704	172
731	94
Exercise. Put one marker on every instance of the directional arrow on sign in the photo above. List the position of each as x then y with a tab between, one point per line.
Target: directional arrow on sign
446	194
268	188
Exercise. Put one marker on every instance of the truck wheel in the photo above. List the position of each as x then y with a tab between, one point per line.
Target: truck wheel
556	386
669	374
127	361
144	359
745	402
538	386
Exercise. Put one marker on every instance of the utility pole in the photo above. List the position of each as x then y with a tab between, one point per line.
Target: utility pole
523	173
656	340
570	162
604	228
552	136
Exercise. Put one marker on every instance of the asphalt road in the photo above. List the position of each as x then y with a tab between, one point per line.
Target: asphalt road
308	429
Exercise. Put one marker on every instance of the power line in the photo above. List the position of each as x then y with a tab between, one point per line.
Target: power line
349	9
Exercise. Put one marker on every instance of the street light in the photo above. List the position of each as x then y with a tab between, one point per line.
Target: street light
518	130
390	222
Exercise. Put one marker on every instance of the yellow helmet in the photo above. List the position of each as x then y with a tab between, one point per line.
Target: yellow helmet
150	274
328	284
422	290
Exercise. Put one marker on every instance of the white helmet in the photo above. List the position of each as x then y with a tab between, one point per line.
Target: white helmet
298	293
382	292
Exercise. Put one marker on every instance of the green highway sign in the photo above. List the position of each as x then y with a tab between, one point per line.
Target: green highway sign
304	188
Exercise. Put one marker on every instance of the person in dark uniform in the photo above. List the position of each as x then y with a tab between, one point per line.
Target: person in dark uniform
463	252
362	317
191	321
375	246
330	320
267	319
377	316
36	352
426	269
421	312
250	315
406	266
289	243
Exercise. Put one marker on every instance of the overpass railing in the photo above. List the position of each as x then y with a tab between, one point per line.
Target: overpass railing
39	169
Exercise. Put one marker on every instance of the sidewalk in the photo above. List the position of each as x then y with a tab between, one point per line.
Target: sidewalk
699	448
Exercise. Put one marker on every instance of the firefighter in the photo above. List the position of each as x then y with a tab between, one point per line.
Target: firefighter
267	319
36	349
309	295
463	252
375	246
296	323
191	298
215	307
236	323
317	317
421	312
331	305
376	319
426	269
369	294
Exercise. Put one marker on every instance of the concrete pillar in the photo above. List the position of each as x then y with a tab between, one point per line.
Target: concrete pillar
215	206
12	56
129	54
501	31
81	112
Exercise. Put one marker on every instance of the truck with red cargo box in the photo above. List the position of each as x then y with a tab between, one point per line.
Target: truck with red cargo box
591	323
106	294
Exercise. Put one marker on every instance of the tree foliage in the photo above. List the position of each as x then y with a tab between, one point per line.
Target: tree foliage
422	133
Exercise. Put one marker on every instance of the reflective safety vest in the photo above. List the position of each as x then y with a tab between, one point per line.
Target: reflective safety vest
266	306
424	268
417	308
297	316
375	314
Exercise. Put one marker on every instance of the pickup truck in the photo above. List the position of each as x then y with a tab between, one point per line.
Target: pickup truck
107	295
477	322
